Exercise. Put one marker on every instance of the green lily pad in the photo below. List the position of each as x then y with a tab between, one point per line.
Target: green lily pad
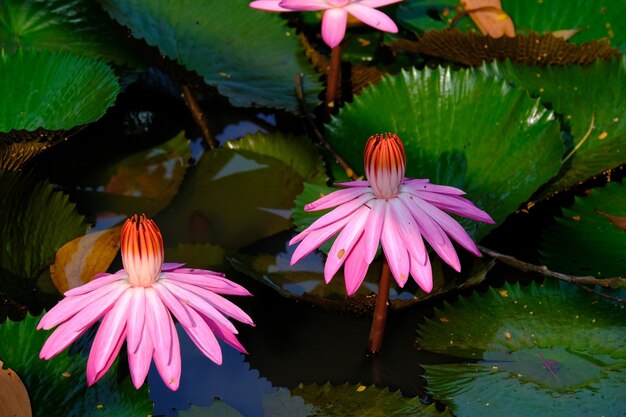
35	221
581	95
75	25
233	197
251	56
590	238
600	19
53	90
358	400
459	128
548	349
58	387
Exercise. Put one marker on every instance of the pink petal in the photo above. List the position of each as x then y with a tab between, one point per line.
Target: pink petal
422	274
344	243
409	230
168	266
268	5
158	322
139	359
94	284
455	205
420	185
372	17
345	209
203	337
315	239
211	282
136	317
225	335
356	267
92	375
220	303
59	340
175	305
334	26
431	231
110	331
305	5
449	225
336	198
70	306
393	247
357	183
169	371
198	303
373	229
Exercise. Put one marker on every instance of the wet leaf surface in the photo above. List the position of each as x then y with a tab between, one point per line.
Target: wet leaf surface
547	350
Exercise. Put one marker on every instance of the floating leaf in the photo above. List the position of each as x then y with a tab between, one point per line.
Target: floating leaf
80	259
58	387
474	50
459	128
489	17
14	401
75	25
358	400
234	197
540	350
218	409
601	19
251	56
35	221
53	90
595	93
590	238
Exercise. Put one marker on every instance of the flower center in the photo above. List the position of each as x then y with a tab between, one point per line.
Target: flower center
385	163
142	250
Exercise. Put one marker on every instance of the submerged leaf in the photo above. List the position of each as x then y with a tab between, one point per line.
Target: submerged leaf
363	401
459	128
58	387
252	57
590	238
542	350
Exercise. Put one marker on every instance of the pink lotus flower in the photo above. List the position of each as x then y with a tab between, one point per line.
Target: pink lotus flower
336	13
393	210
135	304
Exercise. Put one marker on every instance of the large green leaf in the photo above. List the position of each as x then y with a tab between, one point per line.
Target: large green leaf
251	56
35	221
53	90
74	25
590	238
595	93
600	19
360	401
459	128
58	387
233	197
542	350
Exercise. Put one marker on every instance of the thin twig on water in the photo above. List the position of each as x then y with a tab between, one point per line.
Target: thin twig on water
199	117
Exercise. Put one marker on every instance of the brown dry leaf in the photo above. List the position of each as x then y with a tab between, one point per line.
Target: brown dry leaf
14	401
533	49
80	259
568	33
489	17
617	221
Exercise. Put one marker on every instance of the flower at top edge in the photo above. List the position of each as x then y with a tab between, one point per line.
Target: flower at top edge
336	13
398	212
136	305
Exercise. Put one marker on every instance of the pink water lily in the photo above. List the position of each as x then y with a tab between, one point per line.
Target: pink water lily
394	211
336	14
136	305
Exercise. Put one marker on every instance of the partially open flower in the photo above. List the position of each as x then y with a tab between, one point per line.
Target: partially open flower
336	14
394	211
136	305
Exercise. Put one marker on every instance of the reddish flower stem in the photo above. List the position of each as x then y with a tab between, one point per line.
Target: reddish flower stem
334	75
380	310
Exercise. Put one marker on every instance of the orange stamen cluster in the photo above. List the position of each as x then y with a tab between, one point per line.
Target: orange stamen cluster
142	250
385	163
